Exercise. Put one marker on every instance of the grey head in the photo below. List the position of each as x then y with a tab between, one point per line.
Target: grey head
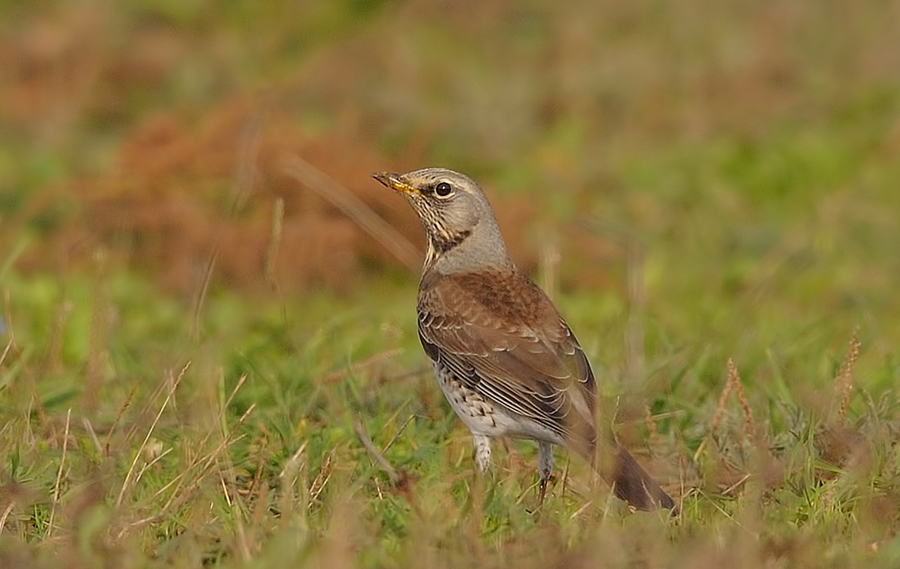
459	223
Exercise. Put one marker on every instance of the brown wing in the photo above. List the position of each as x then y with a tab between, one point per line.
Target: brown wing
503	338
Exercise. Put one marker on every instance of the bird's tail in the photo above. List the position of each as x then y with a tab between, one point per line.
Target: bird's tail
628	480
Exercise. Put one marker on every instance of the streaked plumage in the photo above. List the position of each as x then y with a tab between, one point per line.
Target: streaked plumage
506	360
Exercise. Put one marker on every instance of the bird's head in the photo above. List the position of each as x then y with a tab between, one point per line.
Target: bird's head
455	213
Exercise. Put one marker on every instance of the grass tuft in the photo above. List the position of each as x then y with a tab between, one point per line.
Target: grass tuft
843	381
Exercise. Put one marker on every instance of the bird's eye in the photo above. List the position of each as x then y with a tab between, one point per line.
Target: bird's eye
443	190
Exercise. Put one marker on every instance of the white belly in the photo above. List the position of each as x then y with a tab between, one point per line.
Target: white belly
484	417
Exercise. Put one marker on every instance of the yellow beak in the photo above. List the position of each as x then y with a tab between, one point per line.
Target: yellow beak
395	181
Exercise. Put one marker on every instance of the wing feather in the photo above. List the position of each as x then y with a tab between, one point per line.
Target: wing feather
520	355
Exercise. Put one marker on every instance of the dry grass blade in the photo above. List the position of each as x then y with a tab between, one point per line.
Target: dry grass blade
243	181
5	352
115	424
274	241
723	402
354	208
180	496
89	429
736	485
244	543
843	381
733	384
322	477
399	432
376	455
227	440
730	516
201	293
234	392
140	450
59	474
54	351
204	463
293	463
5	516
289	476
734	379
564	482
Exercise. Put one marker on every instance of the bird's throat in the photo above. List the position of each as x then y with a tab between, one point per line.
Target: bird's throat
442	244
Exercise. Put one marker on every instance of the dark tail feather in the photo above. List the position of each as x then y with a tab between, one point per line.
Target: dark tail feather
631	483
628	480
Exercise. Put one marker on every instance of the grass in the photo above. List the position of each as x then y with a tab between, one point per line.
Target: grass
710	195
241	447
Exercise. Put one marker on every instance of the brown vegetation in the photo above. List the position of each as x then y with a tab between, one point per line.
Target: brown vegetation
196	165
181	194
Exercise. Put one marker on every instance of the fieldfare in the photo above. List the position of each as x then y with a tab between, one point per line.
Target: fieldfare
505	359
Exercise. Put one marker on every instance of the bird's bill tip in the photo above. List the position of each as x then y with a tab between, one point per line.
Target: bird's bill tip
394	181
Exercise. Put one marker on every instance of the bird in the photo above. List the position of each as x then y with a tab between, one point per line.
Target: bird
504	357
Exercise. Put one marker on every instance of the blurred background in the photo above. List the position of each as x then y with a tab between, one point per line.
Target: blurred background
739	151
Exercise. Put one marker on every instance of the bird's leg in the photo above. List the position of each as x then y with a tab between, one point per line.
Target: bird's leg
482	452
545	467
